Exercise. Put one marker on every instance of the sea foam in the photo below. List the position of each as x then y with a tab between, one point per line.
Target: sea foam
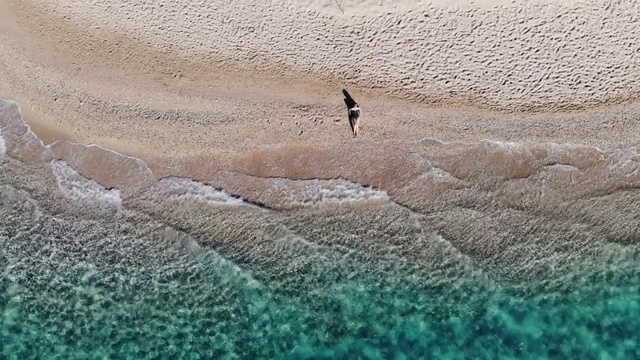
331	192
187	189
3	146
76	187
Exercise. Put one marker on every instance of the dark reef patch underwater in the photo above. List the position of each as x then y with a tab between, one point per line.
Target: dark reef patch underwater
178	269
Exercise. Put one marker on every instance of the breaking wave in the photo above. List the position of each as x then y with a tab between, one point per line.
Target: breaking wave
77	187
188	190
3	146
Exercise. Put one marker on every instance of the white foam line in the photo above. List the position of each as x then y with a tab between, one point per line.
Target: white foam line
432	139
13	102
3	146
77	187
24	122
440	173
562	167
509	143
318	192
102	148
200	192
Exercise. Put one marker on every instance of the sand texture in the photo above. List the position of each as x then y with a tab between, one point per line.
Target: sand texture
514	55
177	79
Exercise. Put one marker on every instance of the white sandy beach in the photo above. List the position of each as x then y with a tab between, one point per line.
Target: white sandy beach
174	78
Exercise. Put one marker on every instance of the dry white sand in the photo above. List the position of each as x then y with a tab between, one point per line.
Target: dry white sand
174	78
510	54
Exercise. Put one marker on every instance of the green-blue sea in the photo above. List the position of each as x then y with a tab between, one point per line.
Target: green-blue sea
121	288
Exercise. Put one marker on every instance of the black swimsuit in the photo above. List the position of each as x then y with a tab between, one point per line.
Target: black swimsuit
355	114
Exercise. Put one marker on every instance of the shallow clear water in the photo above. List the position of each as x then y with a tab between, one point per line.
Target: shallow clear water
129	298
183	270
127	286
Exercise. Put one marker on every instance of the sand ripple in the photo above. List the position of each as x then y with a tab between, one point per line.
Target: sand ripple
515	55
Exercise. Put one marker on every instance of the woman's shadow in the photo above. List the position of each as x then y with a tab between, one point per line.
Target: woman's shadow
348	100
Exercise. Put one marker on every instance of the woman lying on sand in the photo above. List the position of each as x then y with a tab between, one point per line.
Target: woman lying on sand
354	118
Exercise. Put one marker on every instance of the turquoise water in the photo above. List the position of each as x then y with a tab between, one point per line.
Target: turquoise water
68	295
